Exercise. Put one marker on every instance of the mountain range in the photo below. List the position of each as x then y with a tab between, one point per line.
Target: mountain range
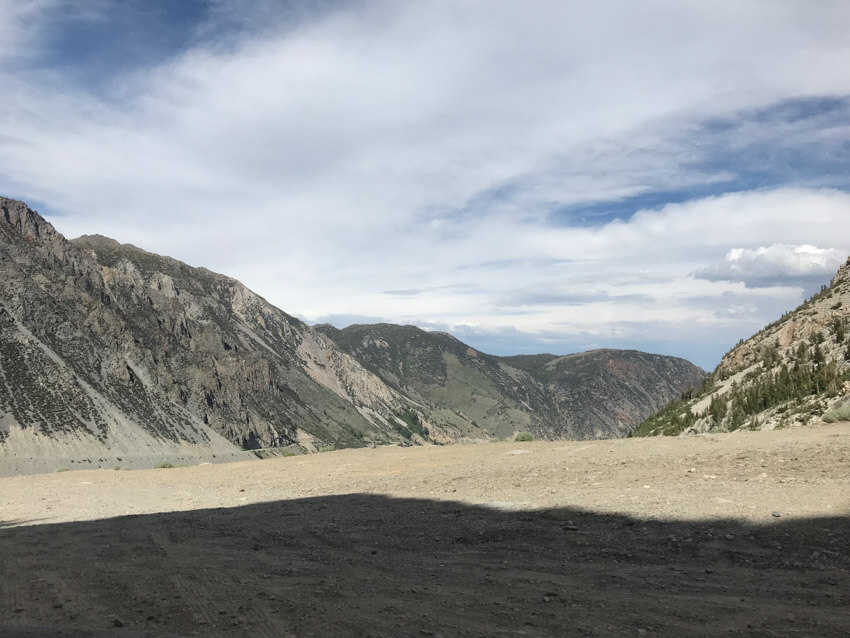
114	356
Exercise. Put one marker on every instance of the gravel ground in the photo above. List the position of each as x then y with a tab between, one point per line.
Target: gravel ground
743	534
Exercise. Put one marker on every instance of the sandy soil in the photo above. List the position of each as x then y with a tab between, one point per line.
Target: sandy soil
745	534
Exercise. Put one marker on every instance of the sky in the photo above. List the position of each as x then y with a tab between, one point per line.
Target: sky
534	176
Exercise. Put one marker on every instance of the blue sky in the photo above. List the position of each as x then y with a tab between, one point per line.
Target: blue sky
529	176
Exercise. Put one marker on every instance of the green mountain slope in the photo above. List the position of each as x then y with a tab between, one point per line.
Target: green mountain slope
792	372
604	393
455	388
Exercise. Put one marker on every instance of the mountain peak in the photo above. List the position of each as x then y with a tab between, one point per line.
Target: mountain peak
19	224
25	221
843	274
96	240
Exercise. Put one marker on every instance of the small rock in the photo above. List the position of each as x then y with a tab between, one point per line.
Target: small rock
117	622
776	514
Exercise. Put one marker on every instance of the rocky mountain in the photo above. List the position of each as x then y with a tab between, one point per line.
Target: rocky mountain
116	357
794	371
598	394
607	393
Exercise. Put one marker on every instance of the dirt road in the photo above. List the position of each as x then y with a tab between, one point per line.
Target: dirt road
745	534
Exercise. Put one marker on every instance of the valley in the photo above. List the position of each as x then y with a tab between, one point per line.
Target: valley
111	356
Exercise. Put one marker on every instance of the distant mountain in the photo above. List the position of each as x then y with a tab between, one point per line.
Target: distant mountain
607	393
459	391
603	393
792	372
111	356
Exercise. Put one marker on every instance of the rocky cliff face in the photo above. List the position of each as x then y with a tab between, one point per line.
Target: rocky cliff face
794	371
102	342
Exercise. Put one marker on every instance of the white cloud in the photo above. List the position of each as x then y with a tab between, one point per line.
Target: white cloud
778	263
397	146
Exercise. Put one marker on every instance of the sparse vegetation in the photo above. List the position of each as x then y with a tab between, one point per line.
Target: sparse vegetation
776	378
164	465
838	413
413	425
674	419
524	436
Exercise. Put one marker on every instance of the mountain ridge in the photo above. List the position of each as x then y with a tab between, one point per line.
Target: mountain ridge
113	353
596	394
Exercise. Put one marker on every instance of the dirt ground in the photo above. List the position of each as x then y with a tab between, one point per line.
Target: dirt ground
732	535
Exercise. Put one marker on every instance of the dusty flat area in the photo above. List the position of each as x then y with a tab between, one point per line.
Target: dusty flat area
733	535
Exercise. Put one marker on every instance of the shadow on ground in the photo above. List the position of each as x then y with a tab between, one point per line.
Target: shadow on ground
366	565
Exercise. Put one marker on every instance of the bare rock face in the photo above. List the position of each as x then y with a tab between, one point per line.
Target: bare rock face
794	371
101	339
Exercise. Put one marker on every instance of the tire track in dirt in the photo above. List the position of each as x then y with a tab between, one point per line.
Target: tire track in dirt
209	604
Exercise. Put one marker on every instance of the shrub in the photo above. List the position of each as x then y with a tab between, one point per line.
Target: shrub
840	413
524	436
165	465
